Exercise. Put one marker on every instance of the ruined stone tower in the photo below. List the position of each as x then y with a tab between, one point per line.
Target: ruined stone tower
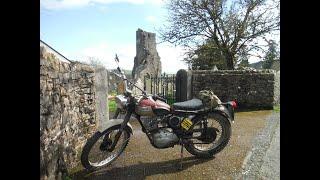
147	60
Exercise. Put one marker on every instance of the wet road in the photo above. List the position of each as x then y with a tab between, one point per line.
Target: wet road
263	160
141	160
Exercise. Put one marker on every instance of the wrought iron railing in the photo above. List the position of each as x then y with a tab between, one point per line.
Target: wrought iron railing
163	85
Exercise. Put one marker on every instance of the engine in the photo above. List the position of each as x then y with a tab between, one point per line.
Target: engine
174	122
164	138
150	123
165	131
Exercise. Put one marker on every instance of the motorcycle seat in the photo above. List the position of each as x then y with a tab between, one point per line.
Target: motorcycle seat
191	105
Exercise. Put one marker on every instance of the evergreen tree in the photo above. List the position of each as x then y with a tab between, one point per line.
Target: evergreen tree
271	55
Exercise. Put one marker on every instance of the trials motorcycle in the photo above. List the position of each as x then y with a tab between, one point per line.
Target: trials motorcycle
202	131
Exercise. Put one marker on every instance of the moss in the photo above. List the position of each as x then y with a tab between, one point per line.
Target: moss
276	108
75	170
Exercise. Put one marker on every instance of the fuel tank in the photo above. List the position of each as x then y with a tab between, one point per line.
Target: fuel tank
144	107
161	108
150	107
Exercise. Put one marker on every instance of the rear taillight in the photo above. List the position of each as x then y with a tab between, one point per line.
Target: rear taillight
234	104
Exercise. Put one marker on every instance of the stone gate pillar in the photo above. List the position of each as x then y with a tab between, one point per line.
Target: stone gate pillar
183	85
101	88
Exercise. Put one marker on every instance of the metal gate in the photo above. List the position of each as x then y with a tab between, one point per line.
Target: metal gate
163	85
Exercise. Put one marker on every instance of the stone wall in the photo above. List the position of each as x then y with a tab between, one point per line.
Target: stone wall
67	113
252	89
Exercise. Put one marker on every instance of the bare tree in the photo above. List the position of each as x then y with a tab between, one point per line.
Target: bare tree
95	62
231	25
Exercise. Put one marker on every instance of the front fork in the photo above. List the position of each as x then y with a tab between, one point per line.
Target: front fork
116	113
106	143
117	136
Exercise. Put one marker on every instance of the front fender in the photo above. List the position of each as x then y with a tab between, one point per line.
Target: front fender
114	122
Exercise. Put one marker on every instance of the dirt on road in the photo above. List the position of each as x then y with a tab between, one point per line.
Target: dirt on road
141	160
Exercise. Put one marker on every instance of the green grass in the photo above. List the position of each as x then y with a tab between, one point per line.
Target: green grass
276	108
67	178
112	102
112	106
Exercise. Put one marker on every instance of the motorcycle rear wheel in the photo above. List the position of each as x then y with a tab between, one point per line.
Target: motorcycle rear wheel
217	146
92	149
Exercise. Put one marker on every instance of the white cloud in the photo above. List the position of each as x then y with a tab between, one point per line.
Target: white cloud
105	53
55	4
151	19
156	2
171	58
103	9
68	4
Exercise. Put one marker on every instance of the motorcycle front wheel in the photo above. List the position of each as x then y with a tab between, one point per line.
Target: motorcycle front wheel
96	154
214	140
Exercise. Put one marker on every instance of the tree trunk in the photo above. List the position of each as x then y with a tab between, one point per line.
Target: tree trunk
230	61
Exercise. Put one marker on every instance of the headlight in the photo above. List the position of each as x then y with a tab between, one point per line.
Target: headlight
121	101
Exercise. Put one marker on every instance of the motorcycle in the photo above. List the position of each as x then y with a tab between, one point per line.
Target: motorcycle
202	131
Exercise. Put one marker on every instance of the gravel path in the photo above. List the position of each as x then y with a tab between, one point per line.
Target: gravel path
142	161
263	160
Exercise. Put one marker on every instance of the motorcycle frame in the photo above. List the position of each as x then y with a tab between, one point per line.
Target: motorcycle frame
199	116
130	109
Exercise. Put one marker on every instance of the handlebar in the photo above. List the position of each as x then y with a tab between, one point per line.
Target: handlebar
124	78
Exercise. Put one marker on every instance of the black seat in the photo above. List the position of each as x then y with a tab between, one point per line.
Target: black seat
191	105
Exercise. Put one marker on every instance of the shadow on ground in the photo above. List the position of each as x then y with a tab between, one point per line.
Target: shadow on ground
141	170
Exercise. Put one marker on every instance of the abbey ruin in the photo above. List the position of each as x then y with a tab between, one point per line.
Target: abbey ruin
147	60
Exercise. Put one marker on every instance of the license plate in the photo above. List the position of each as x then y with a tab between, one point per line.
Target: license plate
186	124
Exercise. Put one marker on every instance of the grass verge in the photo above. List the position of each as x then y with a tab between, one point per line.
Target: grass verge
112	106
276	108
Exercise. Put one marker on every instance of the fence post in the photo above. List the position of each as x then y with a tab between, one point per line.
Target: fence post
183	85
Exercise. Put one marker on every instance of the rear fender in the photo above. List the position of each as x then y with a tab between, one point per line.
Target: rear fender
224	111
115	122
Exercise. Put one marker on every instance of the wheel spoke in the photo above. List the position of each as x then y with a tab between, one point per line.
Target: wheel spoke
98	157
205	146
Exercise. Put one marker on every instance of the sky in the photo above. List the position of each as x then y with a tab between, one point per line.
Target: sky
79	29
